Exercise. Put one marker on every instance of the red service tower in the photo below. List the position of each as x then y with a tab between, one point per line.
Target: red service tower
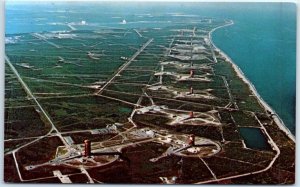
191	90
87	148
191	140
192	73
191	114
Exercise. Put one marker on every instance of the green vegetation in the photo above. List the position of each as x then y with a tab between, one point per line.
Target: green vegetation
93	80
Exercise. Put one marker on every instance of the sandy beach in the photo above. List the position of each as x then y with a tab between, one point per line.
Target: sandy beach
239	72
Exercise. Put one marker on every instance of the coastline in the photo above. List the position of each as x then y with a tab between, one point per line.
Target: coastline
240	74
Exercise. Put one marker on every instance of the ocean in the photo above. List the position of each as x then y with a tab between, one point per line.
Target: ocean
262	41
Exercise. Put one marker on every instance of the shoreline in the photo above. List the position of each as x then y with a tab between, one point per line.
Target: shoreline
240	74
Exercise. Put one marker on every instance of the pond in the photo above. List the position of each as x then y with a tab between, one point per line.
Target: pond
254	138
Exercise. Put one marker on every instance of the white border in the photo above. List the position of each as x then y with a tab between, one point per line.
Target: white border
2	43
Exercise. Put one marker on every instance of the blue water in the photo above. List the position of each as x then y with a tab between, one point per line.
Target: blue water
254	138
262	42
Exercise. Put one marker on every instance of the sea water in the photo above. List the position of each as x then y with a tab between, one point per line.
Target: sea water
262	42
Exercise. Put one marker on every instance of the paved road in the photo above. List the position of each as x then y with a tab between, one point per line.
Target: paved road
124	66
273	145
38	36
29	93
138	32
229	93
